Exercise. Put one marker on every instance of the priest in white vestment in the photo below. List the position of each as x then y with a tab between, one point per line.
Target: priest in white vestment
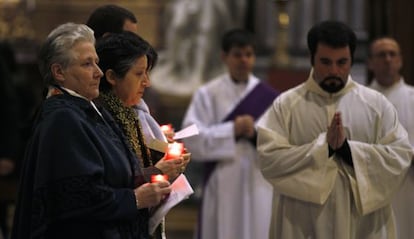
236	199
385	62
333	149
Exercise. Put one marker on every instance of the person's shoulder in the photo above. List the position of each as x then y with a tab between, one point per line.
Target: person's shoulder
367	91
409	88
211	87
214	82
64	107
371	97
290	98
407	93
292	93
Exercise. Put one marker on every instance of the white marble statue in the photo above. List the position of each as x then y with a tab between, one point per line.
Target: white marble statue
192	43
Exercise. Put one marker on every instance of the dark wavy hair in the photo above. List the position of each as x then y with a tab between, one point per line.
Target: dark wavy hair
331	33
119	51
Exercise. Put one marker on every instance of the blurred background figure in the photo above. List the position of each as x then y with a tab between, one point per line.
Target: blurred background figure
236	199
385	63
111	19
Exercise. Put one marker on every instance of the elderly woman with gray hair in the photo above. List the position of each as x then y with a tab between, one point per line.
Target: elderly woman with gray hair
80	178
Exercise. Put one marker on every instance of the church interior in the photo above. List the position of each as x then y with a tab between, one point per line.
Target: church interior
178	29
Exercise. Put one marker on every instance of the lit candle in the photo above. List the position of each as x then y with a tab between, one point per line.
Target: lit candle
174	150
159	178
166	128
168	131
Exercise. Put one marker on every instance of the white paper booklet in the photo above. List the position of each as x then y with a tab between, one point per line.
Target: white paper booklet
186	132
162	146
181	189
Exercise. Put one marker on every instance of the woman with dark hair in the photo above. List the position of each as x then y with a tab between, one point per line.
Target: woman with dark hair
126	60
109	19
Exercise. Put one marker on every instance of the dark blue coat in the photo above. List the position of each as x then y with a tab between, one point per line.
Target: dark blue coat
78	177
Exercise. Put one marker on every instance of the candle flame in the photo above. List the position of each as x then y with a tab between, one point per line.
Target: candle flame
158	178
174	150
166	127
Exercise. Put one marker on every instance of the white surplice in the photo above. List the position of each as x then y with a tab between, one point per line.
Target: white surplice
401	96
236	200
321	197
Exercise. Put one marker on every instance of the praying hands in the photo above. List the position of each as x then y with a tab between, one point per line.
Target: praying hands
336	134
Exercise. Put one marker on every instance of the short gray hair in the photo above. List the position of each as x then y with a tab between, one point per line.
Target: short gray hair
58	47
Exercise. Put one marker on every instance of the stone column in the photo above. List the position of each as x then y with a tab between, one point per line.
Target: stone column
323	8
340	10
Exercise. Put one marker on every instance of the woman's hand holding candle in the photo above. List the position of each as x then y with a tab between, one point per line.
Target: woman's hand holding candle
174	161
170	167
187	157
151	194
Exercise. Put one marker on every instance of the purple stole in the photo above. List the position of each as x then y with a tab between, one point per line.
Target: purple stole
255	103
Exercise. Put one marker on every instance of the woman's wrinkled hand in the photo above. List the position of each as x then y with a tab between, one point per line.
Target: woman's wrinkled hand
171	167
151	194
